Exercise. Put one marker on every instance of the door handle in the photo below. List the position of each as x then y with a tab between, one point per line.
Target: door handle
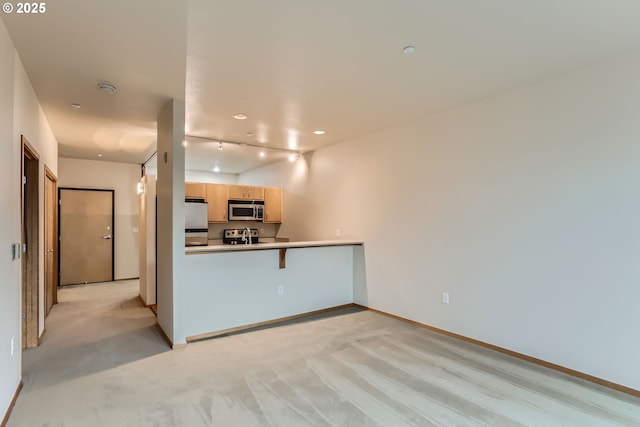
107	237
50	251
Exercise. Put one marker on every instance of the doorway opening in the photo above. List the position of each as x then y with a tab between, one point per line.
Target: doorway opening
86	235
30	232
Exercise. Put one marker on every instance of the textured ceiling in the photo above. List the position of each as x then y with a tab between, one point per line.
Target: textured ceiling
293	66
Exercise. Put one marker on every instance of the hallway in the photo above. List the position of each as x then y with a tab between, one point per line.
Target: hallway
93	330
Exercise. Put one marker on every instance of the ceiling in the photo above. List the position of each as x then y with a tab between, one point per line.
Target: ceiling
292	66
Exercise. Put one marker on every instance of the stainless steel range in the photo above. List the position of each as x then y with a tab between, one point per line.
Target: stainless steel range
240	236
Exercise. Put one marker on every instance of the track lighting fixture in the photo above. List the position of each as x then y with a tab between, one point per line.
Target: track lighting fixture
262	150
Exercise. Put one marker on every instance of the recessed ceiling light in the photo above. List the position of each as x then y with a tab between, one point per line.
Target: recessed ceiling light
262	154
185	143
409	49
107	88
239	116
75	105
99	155
216	169
319	132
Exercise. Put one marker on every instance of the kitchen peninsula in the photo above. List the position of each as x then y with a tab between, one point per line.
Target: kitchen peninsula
219	289
228	287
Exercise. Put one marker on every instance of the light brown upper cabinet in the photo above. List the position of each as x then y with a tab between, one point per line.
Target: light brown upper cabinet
242	192
217	196
272	205
195	190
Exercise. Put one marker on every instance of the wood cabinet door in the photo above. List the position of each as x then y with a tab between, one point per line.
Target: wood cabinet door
256	193
237	192
195	189
217	196
272	205
244	192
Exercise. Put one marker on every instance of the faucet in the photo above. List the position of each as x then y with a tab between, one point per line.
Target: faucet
249	233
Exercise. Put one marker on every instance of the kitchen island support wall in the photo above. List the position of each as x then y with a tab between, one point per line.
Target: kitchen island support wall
227	290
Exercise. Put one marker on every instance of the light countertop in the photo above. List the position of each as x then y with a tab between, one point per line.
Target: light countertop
266	246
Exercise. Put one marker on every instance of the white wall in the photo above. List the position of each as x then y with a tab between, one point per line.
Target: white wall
202	176
147	238
523	207
232	289
9	227
123	178
30	121
170	220
20	114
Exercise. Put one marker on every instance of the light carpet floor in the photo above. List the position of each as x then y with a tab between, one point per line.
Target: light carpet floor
103	363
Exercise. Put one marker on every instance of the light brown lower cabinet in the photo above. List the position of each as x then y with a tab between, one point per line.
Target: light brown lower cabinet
272	205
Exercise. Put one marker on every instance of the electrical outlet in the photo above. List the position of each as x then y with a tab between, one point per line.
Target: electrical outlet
338	233
13	345
280	290
445	298
135	229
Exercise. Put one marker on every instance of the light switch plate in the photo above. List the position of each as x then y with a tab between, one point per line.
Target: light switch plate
15	251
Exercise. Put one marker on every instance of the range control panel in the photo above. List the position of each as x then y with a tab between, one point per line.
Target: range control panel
240	236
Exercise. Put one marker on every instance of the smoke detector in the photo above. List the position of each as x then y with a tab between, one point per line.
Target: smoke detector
107	88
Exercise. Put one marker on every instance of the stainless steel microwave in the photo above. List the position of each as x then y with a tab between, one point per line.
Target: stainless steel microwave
246	210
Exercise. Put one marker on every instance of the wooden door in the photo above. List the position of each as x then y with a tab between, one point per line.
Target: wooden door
86	236
217	196
30	250
50	241
272	205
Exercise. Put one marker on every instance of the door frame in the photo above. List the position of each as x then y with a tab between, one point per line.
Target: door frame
29	197
113	226
53	293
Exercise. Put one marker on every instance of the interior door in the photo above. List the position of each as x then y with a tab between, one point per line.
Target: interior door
30	242
50	241
86	236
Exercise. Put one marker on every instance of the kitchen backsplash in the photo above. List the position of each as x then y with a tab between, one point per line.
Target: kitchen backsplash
264	230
